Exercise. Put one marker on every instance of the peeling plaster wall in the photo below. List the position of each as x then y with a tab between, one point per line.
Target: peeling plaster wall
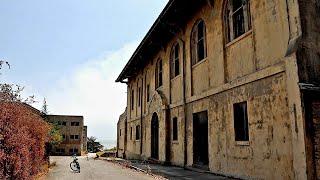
121	139
269	153
252	68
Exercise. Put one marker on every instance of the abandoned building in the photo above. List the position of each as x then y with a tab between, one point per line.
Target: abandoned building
73	132
230	86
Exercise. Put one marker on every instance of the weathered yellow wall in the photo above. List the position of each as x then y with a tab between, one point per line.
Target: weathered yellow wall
251	68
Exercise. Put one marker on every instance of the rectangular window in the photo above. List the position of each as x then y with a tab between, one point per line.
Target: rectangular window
64	137
64	123
75	123
120	132
159	74
139	97
74	137
176	61
130	133
138	132
132	99
148	93
73	150
241	126
60	151
175	129
201	41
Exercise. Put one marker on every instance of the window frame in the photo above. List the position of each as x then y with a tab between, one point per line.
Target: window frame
132	99
159	73
148	92
195	42
230	15
131	133
75	123
175	129
139	96
175	69
138	133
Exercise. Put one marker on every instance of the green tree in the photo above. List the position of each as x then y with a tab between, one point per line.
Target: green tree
54	133
93	145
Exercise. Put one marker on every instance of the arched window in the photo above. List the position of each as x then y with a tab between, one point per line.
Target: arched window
198	42
159	73
237	18
175	60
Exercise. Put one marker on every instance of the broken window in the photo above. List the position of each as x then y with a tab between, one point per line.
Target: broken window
132	99
241	126
237	18
175	61
159	73
138	132
198	42
175	129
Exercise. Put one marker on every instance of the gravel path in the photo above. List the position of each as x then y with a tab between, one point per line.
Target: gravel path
92	170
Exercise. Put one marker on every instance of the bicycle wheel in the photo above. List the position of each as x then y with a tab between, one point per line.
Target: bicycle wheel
74	166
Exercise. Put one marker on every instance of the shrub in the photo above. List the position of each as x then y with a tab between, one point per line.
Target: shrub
23	135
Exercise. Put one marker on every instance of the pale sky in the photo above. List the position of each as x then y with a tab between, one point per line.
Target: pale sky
71	51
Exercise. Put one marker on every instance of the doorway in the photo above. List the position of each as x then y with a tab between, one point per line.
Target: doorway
200	140
155	137
312	115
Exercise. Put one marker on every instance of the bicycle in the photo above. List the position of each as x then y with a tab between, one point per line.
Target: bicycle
74	165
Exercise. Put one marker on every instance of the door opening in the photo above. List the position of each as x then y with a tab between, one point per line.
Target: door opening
200	140
155	137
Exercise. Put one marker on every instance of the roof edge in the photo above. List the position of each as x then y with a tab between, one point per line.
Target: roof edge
146	37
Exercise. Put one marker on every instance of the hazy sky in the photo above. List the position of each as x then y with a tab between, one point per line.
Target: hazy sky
71	51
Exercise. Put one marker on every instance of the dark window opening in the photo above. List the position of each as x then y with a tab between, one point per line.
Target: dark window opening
120	133
74	137
148	93
75	123
62	123
139	97
132	99
175	129
241	126
60	150
131	133
159	74
175	61
73	150
198	43
237	18
138	132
